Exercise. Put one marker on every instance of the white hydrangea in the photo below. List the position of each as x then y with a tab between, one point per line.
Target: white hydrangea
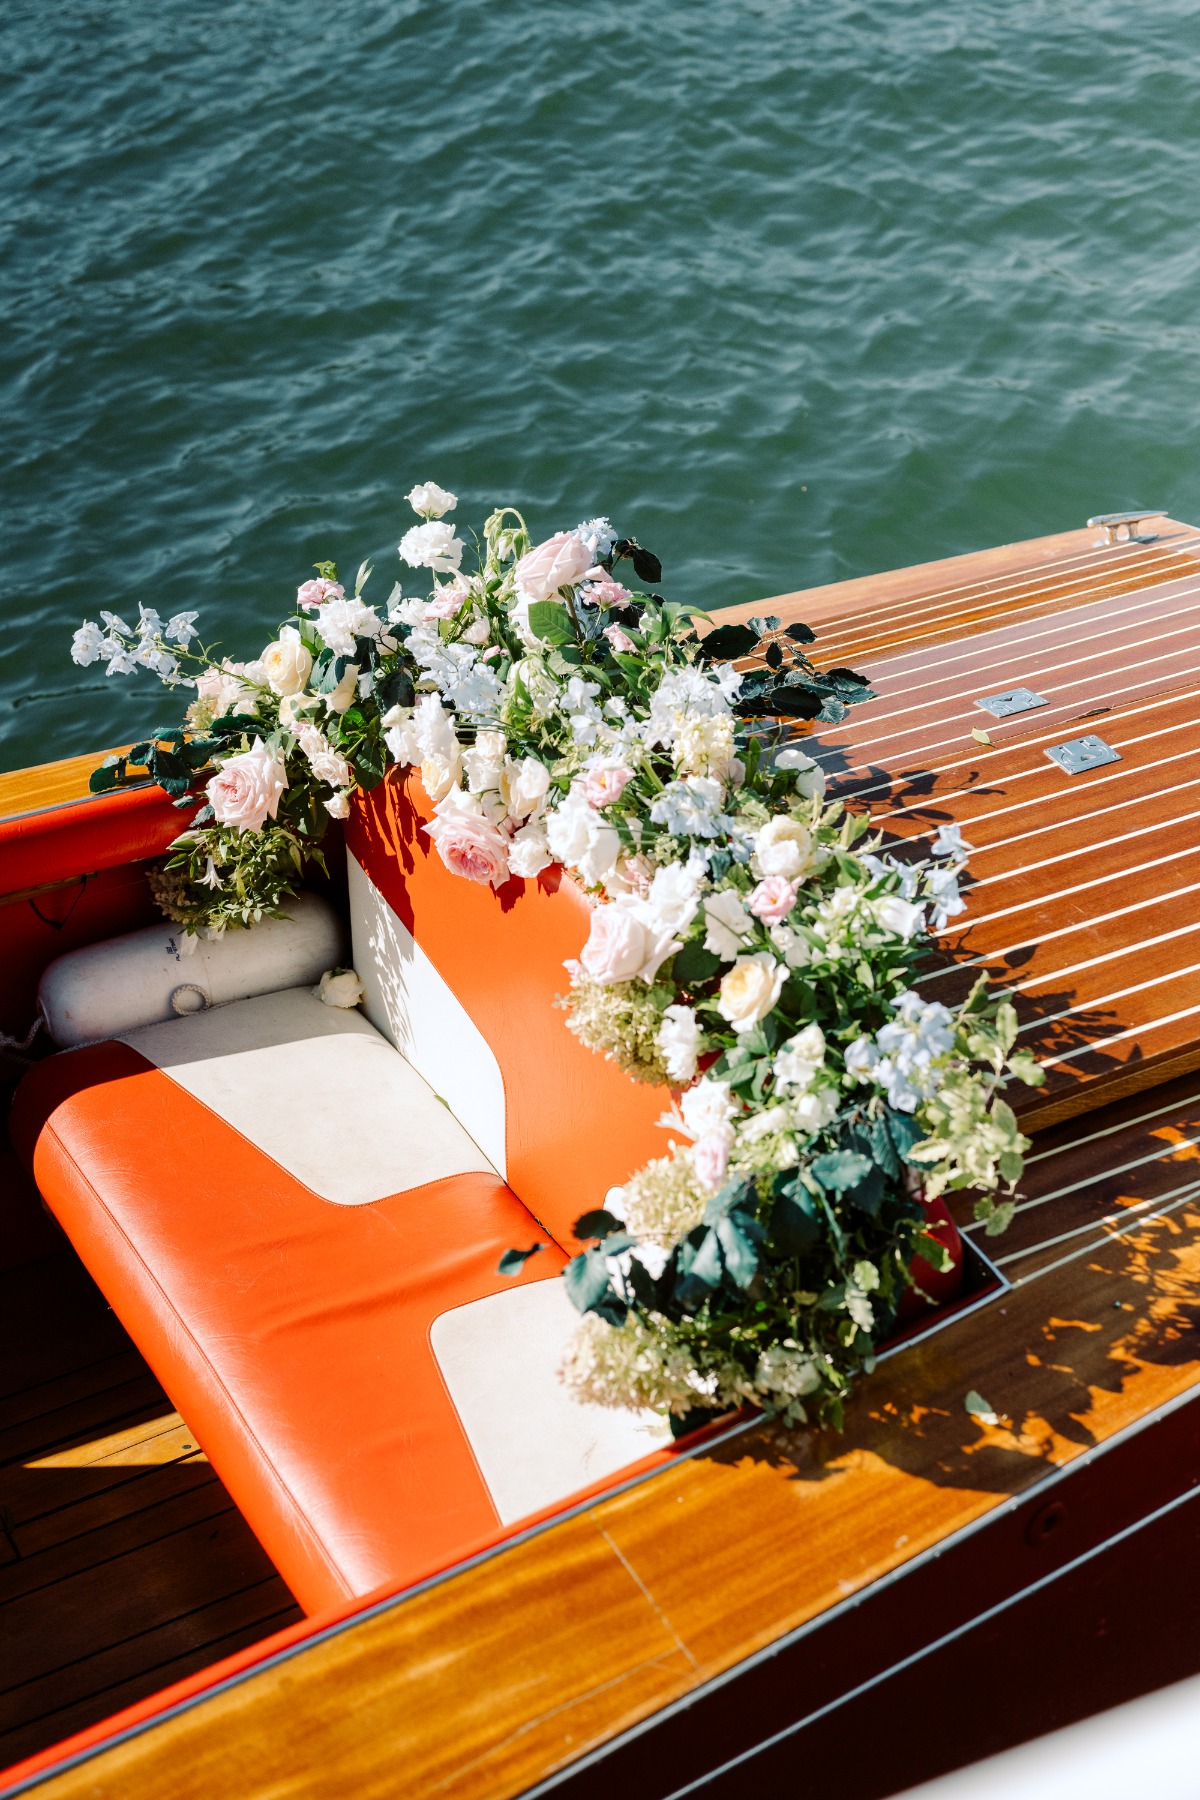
691	807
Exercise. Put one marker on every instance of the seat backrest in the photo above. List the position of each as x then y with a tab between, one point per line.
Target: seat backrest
463	980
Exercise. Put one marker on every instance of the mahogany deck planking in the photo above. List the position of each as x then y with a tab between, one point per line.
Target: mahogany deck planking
123	1563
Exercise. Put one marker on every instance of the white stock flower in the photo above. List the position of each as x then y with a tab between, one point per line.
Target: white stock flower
430	501
598	536
683	693
483	763
679	1039
798	1061
750	989
524	785
728	924
433	546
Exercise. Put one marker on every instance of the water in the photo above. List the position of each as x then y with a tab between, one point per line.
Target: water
795	291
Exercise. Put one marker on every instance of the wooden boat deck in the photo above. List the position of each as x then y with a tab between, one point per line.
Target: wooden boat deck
124	1564
778	1586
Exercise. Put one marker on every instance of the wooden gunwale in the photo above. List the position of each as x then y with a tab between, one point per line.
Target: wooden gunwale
579	1648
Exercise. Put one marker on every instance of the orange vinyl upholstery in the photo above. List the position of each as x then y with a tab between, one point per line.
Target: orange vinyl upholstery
576	1125
292	1334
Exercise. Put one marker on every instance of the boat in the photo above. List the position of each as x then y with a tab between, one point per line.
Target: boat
289	1500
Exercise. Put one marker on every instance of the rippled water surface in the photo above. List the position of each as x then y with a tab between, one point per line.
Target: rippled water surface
794	291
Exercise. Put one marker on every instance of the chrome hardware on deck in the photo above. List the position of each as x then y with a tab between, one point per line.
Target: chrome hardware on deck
1112	525
1078	754
1016	700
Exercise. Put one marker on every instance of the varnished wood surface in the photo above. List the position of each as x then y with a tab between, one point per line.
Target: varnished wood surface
486	1683
123	1562
47	784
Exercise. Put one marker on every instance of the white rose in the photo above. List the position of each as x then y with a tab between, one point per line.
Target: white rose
433	546
782	847
798	1060
529	853
287	665
674	896
616	946
814	1110
339	987
524	785
750	989
328	766
430	500
484	761
708	1107
343	694
810	776
901	917
478	632
434	727
246	789
679	1038
728	924
338	805
439	775
578	838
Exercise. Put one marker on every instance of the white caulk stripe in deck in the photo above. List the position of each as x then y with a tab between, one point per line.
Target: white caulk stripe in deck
1118	1037
1168	1106
1093	1226
1139	987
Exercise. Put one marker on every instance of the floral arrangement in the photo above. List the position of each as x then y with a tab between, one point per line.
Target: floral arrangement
750	946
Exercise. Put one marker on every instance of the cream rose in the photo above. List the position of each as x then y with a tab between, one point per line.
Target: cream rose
782	847
245	790
750	989
469	844
560	562
286	663
616	946
440	775
343	694
529	853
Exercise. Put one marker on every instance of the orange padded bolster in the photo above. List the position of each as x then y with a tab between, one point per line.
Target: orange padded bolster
292	1334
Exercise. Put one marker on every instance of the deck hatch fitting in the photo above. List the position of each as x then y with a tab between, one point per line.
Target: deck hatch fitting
1016	700
1078	754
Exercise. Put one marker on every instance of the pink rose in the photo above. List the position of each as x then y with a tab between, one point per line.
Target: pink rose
602	590
616	946
468	843
773	899
558	563
710	1158
314	593
602	786
446	602
621	642
245	790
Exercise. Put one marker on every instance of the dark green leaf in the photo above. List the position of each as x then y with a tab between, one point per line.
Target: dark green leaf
694	1420
738	1247
395	688
597	1224
646	565
793	1225
513	1261
764	625
801	634
586	1277
108	776
694	964
699	1273
904	1132
838	1170
727	643
774	656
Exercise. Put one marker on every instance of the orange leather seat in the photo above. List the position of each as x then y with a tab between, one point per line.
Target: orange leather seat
293	1334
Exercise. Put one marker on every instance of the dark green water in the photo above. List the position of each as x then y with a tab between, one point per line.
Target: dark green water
794	291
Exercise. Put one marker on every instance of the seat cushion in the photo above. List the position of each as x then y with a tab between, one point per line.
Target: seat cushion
287	1306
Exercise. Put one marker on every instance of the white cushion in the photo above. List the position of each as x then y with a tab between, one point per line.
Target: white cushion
317	1089
534	1444
106	988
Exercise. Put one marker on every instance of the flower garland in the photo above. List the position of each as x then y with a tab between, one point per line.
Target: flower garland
749	946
